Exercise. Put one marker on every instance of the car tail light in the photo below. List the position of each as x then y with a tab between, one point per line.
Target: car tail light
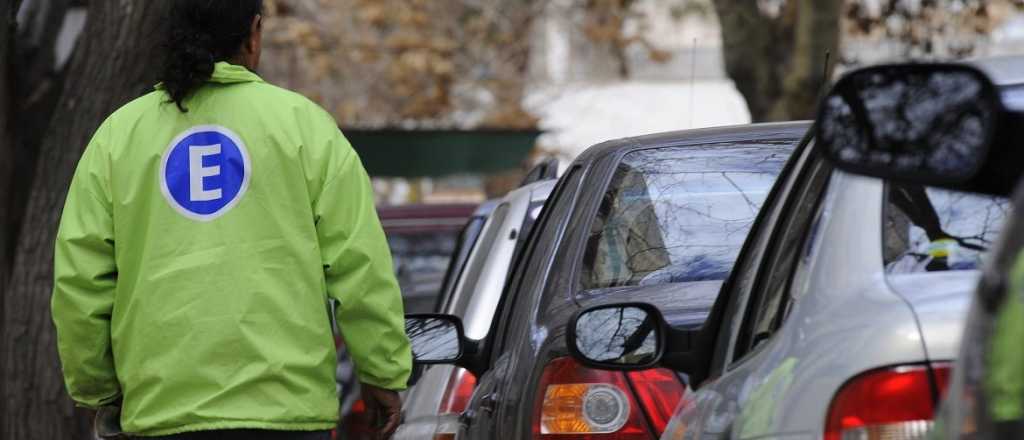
891	404
579	403
458	392
447	426
943	373
456	397
659	392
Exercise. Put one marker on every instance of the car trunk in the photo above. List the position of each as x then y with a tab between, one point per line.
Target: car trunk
940	301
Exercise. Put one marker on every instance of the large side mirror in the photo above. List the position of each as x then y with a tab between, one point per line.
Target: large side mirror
435	339
931	124
618	336
630	336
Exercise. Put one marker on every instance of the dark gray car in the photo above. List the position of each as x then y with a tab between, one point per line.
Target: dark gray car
657	218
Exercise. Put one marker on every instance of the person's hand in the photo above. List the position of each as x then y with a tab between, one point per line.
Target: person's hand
384	408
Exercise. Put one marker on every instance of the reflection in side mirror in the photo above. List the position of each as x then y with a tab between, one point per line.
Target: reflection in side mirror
618	336
435	339
929	124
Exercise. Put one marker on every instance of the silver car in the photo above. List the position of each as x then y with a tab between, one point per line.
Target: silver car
839	321
433	404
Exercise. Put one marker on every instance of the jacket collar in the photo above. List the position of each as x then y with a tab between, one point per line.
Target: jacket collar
227	73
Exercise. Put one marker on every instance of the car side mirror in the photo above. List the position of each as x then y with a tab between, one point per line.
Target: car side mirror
627	336
435	339
941	125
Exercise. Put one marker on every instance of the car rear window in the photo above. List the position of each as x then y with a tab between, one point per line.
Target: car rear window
463	245
935	230
420	260
679	214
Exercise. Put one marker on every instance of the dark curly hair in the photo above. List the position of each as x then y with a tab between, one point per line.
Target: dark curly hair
201	33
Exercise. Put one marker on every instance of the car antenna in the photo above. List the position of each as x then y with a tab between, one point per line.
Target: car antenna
693	79
824	76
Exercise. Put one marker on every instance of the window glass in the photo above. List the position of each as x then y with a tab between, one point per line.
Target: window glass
934	230
679	214
532	214
813	243
746	270
772	296
464	244
467	285
420	261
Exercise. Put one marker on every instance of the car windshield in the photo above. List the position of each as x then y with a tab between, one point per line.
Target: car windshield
934	230
679	214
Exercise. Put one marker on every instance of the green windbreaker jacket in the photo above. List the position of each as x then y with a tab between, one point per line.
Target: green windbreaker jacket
196	255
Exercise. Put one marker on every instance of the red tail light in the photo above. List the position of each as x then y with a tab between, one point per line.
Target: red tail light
892	404
659	392
942	372
358	407
579	403
357	424
459	390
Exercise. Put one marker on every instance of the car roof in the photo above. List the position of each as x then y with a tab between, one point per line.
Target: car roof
486	208
1004	71
425	218
729	134
541	190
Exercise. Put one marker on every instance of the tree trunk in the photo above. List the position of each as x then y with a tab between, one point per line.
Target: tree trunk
753	53
817	34
777	62
7	10
36	85
114	62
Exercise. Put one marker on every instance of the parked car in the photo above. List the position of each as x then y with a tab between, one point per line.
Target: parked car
504	236
842	315
985	399
422	240
433	404
656	218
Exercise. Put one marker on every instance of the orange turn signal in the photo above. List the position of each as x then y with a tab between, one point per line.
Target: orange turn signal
592	408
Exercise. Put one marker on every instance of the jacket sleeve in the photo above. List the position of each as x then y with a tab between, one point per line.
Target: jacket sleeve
1004	383
359	274
85	278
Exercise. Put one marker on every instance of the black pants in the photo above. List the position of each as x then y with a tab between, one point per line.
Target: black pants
246	434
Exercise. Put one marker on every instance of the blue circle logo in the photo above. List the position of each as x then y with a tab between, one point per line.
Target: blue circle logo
205	172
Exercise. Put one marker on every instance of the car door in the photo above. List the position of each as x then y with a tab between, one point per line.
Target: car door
758	299
528	274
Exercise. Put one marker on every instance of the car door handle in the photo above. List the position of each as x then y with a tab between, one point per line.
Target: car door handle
466	418
489	402
487	405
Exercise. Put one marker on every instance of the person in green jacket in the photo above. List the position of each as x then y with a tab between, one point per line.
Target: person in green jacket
207	227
